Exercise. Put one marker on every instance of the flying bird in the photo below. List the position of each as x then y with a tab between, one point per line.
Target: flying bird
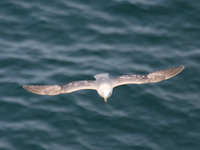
103	84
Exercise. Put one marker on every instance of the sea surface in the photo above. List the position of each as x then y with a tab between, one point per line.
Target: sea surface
58	41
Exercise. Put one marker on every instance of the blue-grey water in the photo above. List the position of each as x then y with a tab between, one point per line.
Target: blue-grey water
58	41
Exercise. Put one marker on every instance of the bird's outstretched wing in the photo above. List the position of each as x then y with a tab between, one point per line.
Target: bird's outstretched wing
60	89
148	78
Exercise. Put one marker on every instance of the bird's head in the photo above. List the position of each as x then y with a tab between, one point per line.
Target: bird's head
105	92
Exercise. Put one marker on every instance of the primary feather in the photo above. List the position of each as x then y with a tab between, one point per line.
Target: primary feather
60	89
147	78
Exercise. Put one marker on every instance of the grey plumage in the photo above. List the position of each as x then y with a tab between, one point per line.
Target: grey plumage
103	84
60	89
147	78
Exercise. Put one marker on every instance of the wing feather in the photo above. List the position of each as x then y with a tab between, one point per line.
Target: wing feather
60	89
148	78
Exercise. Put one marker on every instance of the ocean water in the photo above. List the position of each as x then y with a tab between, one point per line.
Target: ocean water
58	41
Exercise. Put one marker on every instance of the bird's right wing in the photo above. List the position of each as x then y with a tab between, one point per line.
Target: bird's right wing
60	89
148	78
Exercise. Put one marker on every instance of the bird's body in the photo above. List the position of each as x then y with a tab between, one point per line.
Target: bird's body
103	84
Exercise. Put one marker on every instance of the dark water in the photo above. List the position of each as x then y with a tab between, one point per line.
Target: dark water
58	41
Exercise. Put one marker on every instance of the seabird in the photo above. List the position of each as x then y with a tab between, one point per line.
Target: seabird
103	84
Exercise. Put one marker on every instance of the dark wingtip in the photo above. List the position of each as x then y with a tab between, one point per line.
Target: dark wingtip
24	86
181	67
173	71
32	89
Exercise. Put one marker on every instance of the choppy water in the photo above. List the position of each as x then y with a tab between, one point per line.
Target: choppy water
57	41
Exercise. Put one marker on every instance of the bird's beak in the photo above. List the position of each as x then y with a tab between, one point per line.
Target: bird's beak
105	100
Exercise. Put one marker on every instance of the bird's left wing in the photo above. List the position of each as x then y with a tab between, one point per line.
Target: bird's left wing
148	78
60	89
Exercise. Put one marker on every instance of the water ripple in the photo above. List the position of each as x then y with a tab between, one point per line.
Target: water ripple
62	41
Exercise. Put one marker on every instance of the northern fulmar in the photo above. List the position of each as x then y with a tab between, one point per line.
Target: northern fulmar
103	84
